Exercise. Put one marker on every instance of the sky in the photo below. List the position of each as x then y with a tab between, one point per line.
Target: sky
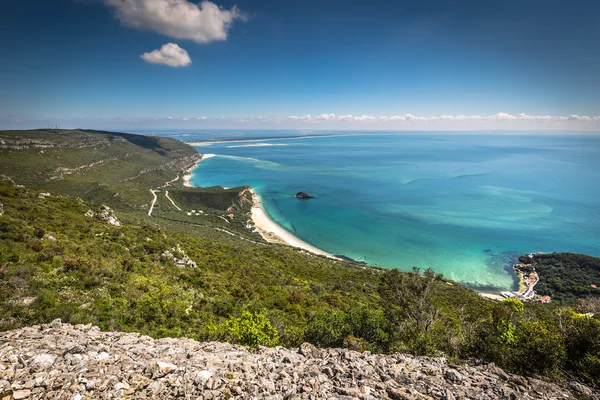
275	64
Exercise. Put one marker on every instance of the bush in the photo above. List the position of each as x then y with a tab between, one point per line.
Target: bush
251	330
327	328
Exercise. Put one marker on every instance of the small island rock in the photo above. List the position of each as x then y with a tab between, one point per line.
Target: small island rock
303	195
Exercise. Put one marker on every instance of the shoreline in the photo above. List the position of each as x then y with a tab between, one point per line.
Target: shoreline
266	227
188	173
272	232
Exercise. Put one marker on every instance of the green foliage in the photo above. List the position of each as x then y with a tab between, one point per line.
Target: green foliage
409	305
566	277
539	348
515	305
328	328
582	342
250	329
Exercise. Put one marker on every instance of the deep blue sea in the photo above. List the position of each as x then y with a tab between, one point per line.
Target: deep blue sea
462	204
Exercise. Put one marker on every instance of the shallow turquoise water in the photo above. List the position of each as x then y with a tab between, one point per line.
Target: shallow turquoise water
464	205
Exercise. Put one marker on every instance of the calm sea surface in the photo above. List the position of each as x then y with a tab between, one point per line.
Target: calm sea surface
464	205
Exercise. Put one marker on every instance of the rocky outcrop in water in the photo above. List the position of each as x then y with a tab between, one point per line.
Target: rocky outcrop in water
81	362
303	195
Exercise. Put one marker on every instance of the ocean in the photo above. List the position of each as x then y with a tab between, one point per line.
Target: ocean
463	204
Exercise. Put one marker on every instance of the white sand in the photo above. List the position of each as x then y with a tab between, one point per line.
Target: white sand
274	233
268	229
188	174
491	296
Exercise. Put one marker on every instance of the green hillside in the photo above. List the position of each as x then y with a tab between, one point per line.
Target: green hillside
209	277
566	277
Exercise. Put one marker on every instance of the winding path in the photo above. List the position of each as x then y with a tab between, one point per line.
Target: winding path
153	201
172	202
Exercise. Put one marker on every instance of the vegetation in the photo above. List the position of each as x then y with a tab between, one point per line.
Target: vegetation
56	262
566	277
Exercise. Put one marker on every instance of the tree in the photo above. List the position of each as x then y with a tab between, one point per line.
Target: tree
408	302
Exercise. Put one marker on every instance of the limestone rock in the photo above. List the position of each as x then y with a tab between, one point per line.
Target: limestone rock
108	215
59	360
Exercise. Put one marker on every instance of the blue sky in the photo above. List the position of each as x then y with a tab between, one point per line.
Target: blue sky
429	64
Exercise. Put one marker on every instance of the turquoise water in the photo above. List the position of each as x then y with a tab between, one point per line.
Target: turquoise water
464	205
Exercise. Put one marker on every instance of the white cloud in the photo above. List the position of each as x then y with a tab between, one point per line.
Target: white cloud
410	117
576	117
501	116
502	120
542	117
301	118
170	54
348	117
203	23
392	118
325	117
496	117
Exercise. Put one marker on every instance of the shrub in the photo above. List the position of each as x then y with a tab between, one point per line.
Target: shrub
251	330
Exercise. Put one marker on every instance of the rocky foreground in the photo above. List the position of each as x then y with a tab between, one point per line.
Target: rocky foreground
61	361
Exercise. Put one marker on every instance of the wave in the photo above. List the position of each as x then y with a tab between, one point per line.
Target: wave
257	145
259	163
207	143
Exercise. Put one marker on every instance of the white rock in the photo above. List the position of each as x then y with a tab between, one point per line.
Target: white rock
21	394
44	360
165	367
203	376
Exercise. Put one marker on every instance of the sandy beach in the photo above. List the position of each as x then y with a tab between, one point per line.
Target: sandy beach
188	174
491	296
268	229
274	233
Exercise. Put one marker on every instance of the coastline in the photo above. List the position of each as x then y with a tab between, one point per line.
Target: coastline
266	227
274	233
491	296
188	174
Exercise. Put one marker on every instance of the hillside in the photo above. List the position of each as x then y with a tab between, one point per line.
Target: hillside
60	360
566	277
205	275
100	166
122	170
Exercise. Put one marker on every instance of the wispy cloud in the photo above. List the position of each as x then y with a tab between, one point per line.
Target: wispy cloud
203	23
325	117
501	116
302	118
333	117
576	117
498	121
392	118
170	54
